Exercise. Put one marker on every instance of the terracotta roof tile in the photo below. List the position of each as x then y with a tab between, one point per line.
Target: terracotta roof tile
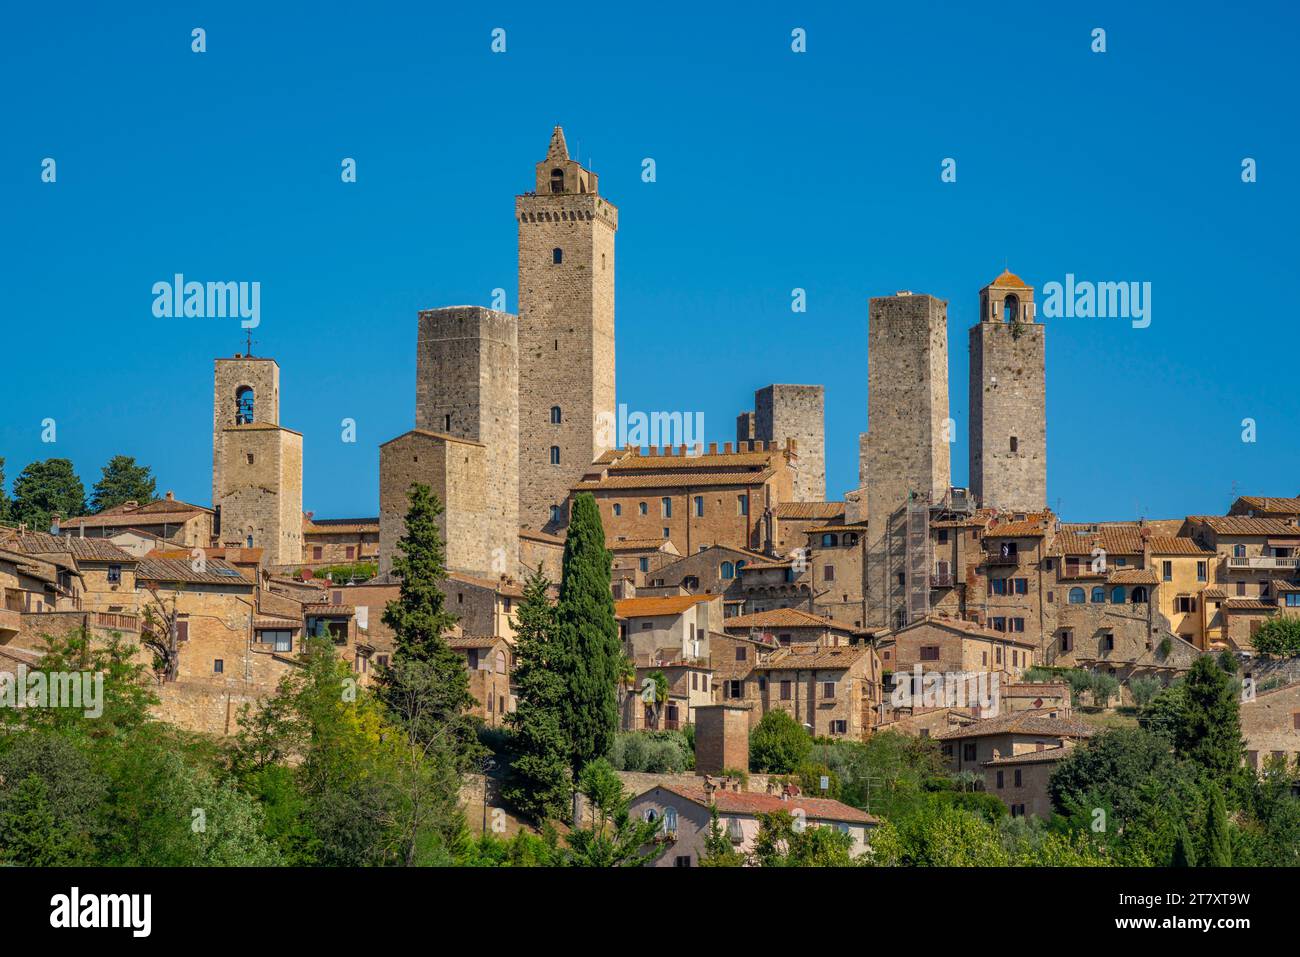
805	511
1241	525
753	804
658	605
1021	722
782	618
174	570
819	657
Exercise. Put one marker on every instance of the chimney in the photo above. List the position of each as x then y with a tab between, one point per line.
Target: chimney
726	448
713	448
170	496
997	753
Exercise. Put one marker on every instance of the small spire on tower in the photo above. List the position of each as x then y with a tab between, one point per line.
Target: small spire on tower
559	149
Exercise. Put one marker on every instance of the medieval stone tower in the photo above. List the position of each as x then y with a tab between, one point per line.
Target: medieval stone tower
907	444
467	387
256	464
1008	419
566	333
783	412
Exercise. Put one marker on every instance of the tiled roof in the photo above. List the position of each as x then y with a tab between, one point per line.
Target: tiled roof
508	586
722	460
536	536
752	804
1248	604
859	527
1214	593
665	605
1241	525
182	570
1022	722
1046	756
819	657
805	511
1261	503
338	526
1176	545
973	629
464	642
82	549
1133	576
782	618
1115	540
1008	279
675	480
636	544
1015	530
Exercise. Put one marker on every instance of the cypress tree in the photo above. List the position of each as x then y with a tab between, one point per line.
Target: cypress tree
588	637
1210	731
1184	854
540	773
426	688
1218	843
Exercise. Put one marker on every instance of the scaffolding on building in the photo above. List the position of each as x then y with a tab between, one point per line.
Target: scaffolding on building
917	559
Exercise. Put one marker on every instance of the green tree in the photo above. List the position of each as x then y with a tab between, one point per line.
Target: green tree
1218	843
613	838
591	654
1184	854
426	687
719	851
46	488
4	497
785	840
49	796
1278	637
123	481
778	744
1210	731
540	783
1143	689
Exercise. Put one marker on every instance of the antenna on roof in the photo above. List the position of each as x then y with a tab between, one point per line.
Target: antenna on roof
248	348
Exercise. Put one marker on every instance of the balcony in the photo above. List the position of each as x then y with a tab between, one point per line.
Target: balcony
1263	563
941	581
1002	559
115	621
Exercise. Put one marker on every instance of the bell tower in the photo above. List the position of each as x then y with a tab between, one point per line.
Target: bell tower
1008	391
566	333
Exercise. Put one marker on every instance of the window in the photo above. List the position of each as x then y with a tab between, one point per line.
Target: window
557	255
1167	571
1201	571
1010	309
1098	595
929	652
1067	640
1017	810
1118	595
1022	586
828	573
557	180
997	586
243	405
682	860
735	688
742	504
1185	604
1238	551
998	623
1076	596
556	417
114	574
555	455
943	536
1139	595
828	689
839	726
968	751
1015	444
667	532
699	506
248	457
182	631
1019	781
278	640
742	653
642	508
666	507
618	509
1108	641
643	564
218	666
349	552
785	690
727	571
555	514
829	541
316	552
1017	624
1293	599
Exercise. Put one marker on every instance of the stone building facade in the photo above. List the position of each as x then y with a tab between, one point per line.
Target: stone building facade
467	385
783	412
1008	395
566	333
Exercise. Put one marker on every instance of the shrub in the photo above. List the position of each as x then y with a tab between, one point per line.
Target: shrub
778	744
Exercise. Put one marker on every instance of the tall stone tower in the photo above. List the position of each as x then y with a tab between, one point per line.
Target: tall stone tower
908	432
467	386
796	412
256	464
566	333
1008	392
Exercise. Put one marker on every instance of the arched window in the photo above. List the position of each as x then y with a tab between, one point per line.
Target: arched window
829	540
1010	309
1139	595
728	570
618	509
244	405
1098	595
851	538
557	180
555	455
739	566
557	255
1118	594
555	415
650	815
670	820
1076	596
501	662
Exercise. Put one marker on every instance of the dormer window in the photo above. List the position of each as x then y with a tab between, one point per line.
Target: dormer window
557	180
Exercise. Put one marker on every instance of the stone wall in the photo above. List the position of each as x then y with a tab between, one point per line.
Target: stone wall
261	490
784	412
229	375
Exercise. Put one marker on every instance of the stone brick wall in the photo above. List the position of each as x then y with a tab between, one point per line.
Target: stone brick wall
456	470
907	436
721	738
1008	396
467	385
784	412
566	334
229	375
1271	725
261	490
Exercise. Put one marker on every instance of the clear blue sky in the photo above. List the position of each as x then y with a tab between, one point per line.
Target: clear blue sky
775	171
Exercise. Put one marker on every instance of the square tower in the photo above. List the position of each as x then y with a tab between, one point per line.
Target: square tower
467	386
260	499
783	412
907	458
455	470
244	389
566	334
1008	395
